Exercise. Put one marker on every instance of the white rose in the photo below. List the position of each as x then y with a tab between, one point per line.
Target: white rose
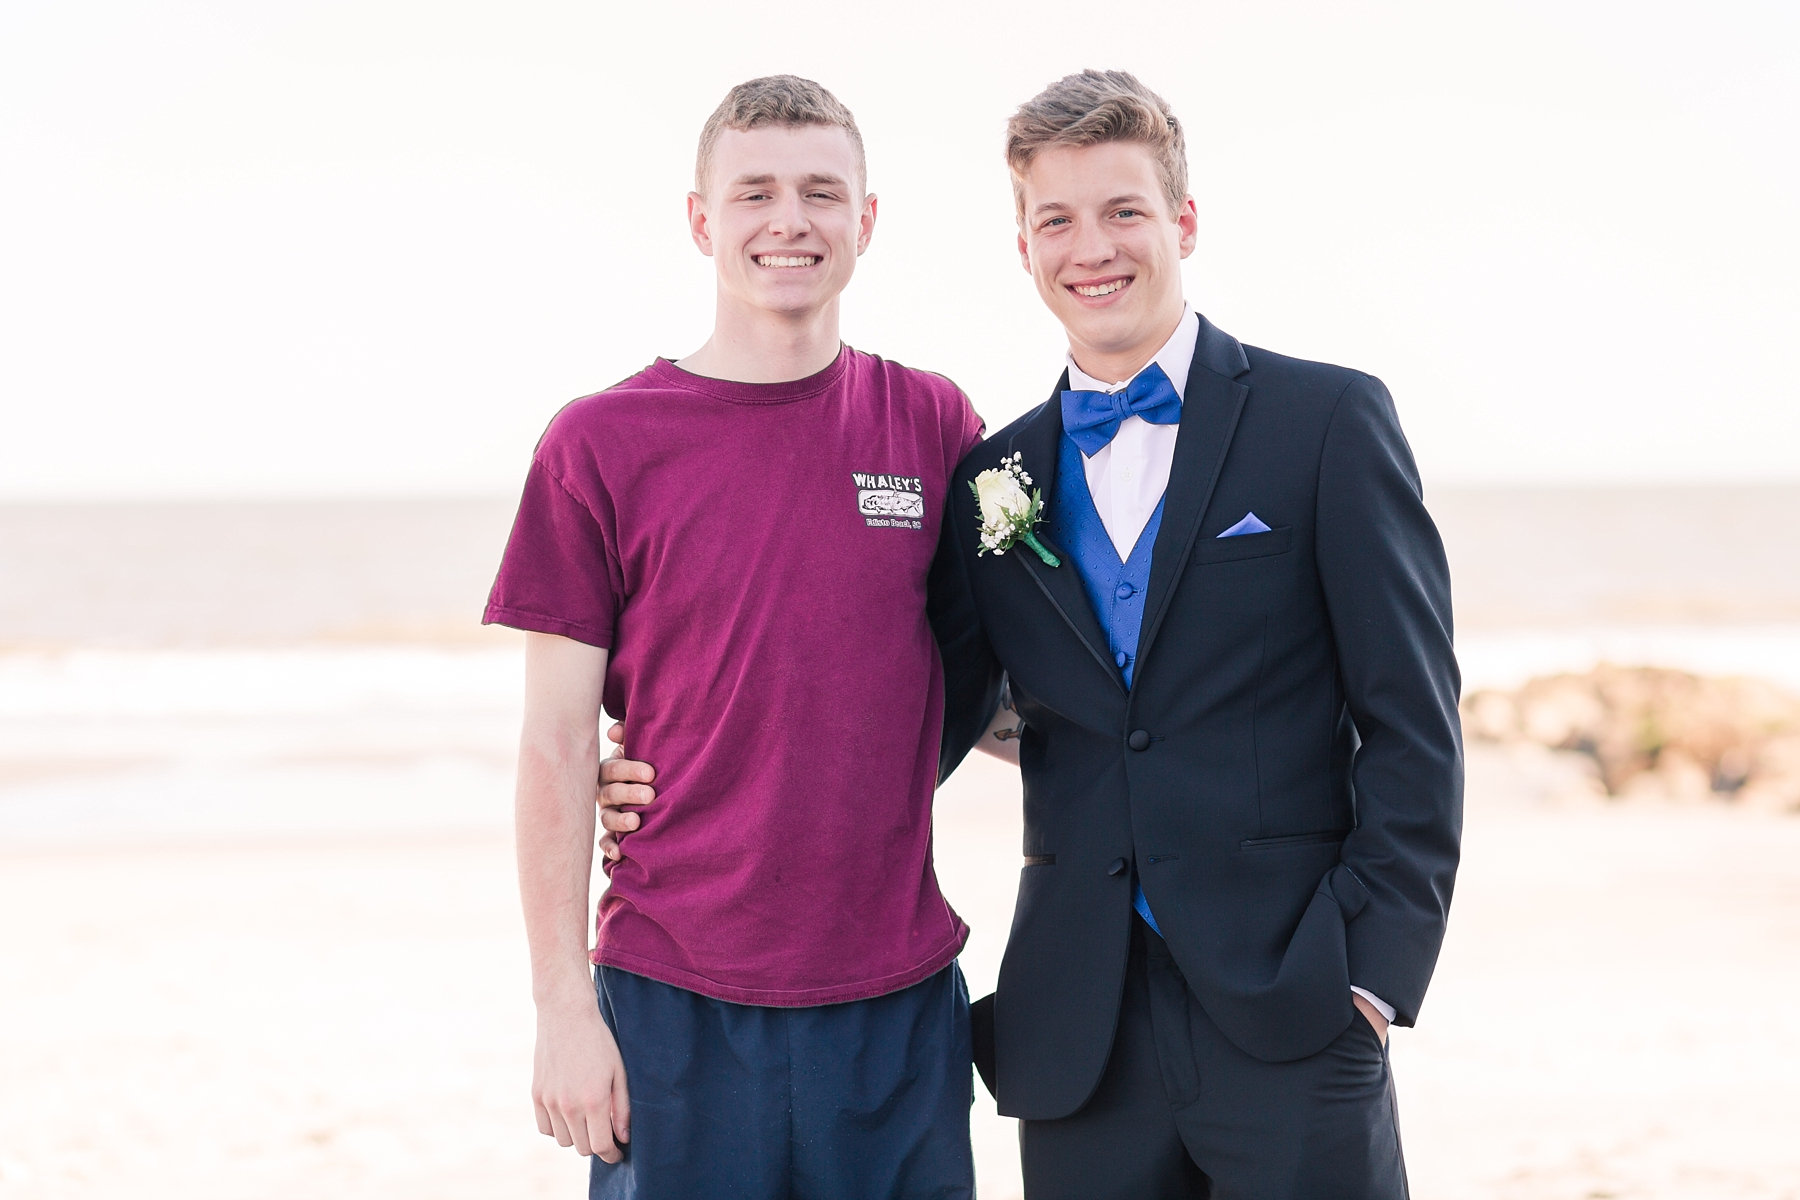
1002	499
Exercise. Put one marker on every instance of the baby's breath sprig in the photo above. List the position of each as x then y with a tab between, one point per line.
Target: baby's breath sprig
1007	513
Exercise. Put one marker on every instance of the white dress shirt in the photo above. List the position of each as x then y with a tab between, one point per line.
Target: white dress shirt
1127	476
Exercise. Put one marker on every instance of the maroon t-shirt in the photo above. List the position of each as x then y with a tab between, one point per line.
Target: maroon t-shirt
754	557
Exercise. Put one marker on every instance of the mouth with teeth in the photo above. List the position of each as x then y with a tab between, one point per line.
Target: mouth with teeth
1101	288
784	261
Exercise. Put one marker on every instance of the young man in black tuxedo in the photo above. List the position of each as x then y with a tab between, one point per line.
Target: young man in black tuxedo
1233	699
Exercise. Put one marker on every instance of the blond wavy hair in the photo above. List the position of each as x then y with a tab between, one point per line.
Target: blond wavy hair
1092	107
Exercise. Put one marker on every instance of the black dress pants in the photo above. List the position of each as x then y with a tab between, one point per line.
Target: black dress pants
1182	1114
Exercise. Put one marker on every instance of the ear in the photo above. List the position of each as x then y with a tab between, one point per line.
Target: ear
1188	220
1024	253
696	212
865	225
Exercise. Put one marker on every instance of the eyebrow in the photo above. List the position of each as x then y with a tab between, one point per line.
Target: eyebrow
765	179
1058	206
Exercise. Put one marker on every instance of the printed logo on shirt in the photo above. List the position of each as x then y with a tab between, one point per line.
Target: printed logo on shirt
890	501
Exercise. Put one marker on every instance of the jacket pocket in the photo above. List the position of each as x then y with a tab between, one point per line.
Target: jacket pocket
1249	545
1040	860
1294	839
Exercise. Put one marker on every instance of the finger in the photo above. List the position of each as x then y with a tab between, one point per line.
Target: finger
621	795
616	735
600	1139
621	1108
618	769
543	1120
559	1128
614	821
609	846
578	1130
612	795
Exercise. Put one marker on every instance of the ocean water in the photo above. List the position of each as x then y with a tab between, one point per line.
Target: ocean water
1702	556
197	575
202	672
201	575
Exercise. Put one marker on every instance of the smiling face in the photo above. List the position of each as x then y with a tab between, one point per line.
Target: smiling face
784	217
1105	251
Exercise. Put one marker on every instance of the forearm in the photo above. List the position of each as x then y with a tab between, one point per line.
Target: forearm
554	816
554	830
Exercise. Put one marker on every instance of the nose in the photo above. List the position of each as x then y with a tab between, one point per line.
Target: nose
1093	246
788	219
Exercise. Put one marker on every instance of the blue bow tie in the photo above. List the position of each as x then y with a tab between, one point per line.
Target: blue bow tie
1092	418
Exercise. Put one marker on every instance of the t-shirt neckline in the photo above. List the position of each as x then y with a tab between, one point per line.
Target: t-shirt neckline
735	392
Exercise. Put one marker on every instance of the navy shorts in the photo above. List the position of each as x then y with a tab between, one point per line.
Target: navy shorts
833	1102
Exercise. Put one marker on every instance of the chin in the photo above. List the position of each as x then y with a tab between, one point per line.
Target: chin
1104	331
790	304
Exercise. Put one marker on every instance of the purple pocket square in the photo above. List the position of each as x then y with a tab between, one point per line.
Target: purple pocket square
1250	524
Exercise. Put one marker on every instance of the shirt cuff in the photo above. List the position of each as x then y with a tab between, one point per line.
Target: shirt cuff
1381	1006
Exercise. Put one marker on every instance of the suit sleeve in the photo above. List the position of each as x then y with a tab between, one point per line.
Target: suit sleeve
971	670
1387	589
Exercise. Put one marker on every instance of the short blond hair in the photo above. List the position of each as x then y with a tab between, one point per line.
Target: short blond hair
776	100
1093	107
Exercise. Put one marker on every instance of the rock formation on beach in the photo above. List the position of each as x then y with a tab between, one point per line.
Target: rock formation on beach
1658	733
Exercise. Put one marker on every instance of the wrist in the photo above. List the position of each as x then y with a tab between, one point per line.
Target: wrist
574	989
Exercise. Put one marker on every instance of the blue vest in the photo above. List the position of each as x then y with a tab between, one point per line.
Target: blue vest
1115	589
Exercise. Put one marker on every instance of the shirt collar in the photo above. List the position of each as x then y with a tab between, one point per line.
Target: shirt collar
1176	356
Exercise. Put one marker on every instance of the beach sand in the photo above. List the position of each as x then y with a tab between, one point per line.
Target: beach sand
346	1015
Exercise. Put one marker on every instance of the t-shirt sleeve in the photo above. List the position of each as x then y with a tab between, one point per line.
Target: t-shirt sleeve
974	428
556	575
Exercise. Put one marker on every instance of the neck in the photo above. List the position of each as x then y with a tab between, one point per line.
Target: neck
754	345
1115	364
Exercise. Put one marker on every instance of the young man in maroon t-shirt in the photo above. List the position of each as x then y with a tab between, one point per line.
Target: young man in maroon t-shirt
710	547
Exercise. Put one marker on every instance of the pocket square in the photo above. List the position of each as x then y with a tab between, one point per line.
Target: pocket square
1250	524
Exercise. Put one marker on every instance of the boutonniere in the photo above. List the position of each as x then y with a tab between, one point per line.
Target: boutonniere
1007	513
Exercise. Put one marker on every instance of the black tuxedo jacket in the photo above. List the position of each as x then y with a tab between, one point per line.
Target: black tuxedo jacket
1285	775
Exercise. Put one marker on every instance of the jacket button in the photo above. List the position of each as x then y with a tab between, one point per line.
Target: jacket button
1139	739
1117	868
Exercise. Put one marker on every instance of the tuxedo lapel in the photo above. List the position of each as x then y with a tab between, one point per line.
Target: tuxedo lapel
1038	441
1210	408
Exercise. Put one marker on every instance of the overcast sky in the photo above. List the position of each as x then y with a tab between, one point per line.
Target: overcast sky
255	249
